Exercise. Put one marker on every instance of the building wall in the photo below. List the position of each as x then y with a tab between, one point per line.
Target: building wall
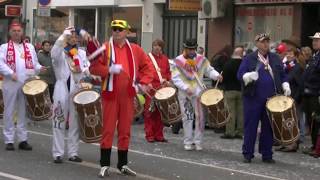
150	12
220	33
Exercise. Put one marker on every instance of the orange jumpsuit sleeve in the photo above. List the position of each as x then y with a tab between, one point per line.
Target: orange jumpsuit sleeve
145	67
99	66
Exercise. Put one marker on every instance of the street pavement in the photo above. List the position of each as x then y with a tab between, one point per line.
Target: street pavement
221	159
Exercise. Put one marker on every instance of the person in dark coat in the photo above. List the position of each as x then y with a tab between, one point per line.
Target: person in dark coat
262	76
312	92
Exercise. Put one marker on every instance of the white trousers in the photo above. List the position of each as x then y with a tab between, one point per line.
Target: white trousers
14	101
63	109
187	105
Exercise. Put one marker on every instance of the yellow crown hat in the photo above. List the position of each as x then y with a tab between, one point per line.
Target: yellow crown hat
120	23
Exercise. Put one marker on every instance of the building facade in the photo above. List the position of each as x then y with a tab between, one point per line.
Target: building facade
95	16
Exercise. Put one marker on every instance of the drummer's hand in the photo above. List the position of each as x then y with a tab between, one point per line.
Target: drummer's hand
96	78
220	78
166	83
43	69
14	77
286	88
145	87
189	92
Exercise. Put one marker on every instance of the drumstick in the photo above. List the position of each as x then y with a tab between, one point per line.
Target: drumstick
155	90
139	86
218	81
97	52
199	81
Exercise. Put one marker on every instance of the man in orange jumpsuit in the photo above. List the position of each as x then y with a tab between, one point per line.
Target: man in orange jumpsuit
153	125
118	68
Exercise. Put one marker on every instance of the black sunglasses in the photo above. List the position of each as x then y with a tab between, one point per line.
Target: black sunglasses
117	29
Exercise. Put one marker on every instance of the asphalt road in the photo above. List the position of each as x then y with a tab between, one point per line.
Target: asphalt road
220	159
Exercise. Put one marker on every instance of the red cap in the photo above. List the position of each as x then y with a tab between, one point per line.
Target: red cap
15	24
281	48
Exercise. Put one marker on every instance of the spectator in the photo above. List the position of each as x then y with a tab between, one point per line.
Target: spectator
44	58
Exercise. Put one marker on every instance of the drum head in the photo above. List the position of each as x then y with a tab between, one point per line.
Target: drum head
86	97
34	87
165	93
279	103
211	97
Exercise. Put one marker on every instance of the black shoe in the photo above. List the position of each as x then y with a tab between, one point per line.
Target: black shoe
269	161
58	160
225	136
25	146
9	147
245	160
75	159
176	128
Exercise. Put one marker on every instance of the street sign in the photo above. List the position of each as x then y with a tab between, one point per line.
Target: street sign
185	5
44	11
13	10
44	2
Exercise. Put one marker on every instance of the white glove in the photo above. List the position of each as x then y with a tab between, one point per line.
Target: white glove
249	77
68	31
286	88
115	69
83	33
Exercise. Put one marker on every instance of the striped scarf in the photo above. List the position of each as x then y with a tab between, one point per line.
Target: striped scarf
109	82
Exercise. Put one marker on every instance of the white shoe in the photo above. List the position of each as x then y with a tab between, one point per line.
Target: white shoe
188	147
104	171
127	171
198	147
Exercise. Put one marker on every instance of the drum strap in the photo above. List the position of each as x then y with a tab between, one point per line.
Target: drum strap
69	83
158	70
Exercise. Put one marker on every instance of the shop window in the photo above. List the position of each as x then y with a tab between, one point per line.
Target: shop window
49	28
274	20
131	14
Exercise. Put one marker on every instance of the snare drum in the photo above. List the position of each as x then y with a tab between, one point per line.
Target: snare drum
213	103
88	106
283	119
166	100
37	99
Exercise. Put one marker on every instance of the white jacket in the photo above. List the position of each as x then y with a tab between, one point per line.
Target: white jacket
61	67
21	71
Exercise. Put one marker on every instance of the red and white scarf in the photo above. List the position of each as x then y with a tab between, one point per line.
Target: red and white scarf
11	56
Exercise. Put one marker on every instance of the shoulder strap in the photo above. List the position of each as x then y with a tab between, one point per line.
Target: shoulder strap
158	70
